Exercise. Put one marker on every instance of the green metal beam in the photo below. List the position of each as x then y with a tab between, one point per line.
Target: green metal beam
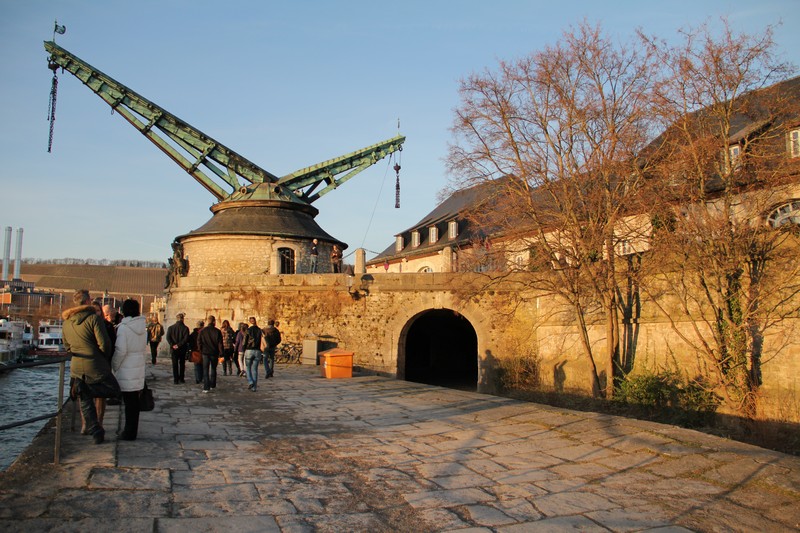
207	160
306	180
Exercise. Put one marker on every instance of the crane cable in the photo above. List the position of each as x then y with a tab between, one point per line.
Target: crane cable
397	171
51	106
377	199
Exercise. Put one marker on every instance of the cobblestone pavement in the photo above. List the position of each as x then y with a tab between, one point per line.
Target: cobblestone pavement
373	454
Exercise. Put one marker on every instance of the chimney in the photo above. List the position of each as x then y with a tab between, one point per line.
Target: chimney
6	253
18	262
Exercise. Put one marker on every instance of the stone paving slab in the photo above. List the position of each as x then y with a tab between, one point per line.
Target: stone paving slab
306	454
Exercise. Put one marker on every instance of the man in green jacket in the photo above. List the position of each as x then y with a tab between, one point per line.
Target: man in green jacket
85	337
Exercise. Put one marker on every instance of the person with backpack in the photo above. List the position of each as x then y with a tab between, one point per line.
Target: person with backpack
272	339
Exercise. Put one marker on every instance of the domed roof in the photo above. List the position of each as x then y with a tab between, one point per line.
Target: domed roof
273	218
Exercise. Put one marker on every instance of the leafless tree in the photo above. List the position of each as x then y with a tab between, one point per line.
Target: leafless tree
556	136
721	165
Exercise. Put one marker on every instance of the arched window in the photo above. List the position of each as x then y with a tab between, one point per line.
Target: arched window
788	213
287	260
425	269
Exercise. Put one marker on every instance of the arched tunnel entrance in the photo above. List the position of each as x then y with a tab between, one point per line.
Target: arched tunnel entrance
441	348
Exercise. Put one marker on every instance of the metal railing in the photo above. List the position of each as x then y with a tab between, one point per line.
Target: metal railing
62	361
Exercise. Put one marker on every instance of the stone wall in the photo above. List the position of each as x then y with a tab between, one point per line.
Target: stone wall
250	255
372	314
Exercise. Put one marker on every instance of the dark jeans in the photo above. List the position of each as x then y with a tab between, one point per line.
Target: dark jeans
210	363
198	372
269	361
227	361
131	400
86	392
178	365
153	351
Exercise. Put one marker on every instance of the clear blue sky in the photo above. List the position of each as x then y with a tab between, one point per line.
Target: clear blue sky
286	84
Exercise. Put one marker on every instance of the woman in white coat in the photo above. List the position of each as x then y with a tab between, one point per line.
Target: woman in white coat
128	364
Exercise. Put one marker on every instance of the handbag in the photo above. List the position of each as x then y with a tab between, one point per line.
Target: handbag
146	400
264	345
197	357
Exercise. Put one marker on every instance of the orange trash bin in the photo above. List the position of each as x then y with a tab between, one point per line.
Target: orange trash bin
336	363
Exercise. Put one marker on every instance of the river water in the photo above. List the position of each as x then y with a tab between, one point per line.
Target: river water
26	393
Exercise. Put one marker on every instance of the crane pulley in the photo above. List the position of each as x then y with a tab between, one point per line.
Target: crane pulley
212	164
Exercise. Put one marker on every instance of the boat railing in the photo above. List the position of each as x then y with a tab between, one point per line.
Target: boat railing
62	362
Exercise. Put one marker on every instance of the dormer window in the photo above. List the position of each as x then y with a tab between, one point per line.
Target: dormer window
433	234
734	156
398	243
794	143
452	229
414	239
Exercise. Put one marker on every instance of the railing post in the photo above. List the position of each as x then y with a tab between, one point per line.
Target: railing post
57	450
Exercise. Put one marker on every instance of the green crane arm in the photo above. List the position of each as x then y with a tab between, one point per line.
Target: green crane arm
306	180
203	157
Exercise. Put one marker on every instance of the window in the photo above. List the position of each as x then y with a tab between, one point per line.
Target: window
788	213
794	143
286	256
734	154
425	269
398	243
414	239
433	234
452	229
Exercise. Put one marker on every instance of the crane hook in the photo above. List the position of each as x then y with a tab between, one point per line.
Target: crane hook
397	186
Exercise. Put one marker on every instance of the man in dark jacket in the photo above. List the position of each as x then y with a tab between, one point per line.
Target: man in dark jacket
178	340
252	353
209	340
86	338
273	339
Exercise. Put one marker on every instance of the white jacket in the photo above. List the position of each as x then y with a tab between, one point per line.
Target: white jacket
129	353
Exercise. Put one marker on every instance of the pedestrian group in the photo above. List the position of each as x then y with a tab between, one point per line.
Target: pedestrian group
109	352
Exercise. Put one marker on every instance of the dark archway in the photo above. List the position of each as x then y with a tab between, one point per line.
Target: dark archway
441	348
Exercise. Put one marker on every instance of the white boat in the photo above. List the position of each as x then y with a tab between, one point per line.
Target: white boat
50	336
11	340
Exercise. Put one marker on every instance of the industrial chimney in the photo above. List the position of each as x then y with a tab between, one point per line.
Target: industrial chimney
18	262
6	253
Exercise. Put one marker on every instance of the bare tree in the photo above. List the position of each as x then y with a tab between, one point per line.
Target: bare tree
722	162
557	134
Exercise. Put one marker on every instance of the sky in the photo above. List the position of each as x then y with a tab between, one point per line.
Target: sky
286	84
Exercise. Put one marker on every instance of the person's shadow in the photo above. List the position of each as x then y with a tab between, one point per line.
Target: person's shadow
559	376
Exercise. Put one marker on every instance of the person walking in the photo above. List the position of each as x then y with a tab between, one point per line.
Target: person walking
178	340
195	349
86	338
252	353
273	339
238	347
155	331
128	364
209	340
228	356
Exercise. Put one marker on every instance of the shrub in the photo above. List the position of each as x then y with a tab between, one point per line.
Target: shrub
667	395
519	373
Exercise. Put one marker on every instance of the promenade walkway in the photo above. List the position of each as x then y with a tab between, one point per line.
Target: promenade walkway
374	454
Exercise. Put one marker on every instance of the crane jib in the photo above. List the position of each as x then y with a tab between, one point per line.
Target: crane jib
220	170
